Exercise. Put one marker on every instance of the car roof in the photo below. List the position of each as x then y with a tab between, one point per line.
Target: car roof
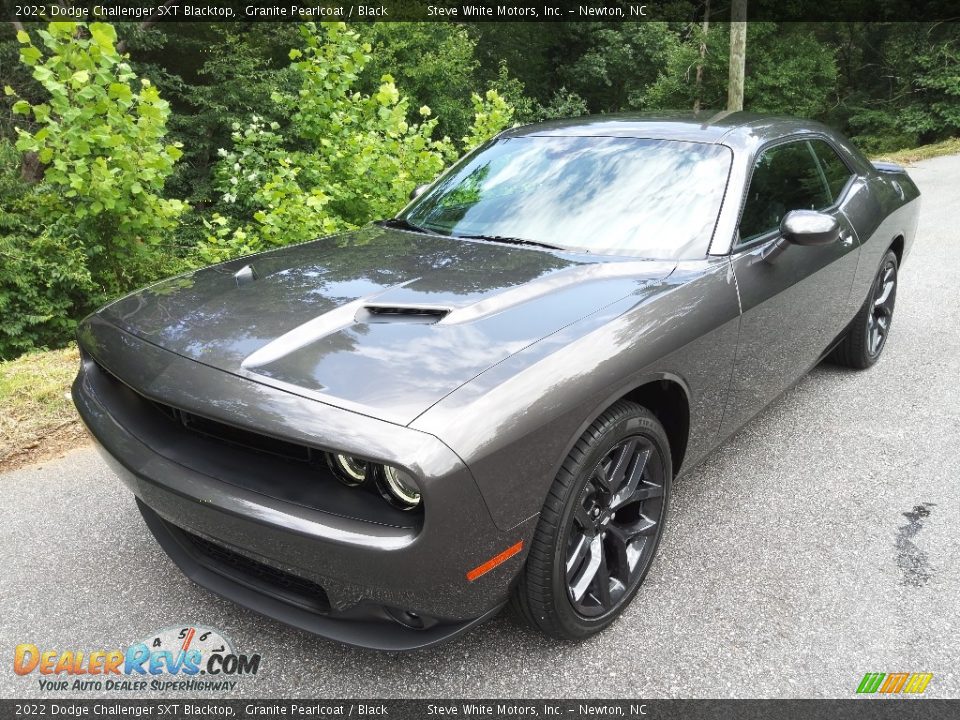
740	130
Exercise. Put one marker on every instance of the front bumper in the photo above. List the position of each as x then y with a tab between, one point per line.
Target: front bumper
365	581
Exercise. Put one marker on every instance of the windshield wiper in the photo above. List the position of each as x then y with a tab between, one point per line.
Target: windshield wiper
511	241
403	224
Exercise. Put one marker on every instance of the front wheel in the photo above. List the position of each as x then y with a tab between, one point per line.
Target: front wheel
869	330
599	527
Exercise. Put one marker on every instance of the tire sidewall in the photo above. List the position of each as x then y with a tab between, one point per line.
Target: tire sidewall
643	424
888	257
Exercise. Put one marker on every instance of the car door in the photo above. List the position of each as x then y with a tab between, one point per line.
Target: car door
791	305
854	207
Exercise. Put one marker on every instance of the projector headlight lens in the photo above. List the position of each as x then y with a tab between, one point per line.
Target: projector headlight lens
349	470
401	488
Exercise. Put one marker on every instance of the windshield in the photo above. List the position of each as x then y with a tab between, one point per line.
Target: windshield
618	196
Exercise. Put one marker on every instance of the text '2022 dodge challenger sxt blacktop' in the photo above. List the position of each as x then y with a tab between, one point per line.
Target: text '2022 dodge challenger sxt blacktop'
385	436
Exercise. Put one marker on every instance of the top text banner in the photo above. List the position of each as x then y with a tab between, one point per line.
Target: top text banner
151	11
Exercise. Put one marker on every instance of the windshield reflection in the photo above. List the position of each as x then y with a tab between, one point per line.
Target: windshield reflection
620	196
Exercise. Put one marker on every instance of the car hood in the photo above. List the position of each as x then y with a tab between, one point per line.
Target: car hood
379	321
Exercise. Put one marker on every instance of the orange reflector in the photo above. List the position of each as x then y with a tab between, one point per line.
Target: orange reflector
494	561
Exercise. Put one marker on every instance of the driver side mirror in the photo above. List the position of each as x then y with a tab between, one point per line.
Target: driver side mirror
806	228
418	191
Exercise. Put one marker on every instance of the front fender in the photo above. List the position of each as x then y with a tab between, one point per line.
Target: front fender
514	424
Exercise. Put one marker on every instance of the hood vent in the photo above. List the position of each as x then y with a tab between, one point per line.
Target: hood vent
401	314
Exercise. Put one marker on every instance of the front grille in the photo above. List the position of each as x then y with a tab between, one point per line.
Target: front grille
285	470
237	436
228	433
282	585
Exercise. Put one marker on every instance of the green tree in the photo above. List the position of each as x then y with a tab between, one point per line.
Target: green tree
100	139
434	63
619	62
43	280
347	157
900	82
788	71
213	75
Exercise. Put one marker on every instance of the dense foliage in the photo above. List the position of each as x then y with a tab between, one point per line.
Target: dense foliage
93	223
126	158
99	138
43	279
344	158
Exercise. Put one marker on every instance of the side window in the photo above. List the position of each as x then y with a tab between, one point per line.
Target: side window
785	178
834	169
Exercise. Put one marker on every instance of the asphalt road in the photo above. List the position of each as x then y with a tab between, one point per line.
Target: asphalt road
818	544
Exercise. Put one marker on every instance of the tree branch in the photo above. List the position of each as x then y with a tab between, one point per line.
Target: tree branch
122	45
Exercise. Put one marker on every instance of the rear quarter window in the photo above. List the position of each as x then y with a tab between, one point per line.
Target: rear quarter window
835	171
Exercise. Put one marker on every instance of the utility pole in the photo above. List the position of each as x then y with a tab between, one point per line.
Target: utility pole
738	54
705	28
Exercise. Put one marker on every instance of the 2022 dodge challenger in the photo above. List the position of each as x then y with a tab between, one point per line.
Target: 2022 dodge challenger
385	436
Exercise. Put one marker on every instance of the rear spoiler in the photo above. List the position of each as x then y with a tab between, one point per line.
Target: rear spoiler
889	168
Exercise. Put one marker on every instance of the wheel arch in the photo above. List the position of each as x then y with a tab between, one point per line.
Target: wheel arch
664	394
668	400
898	245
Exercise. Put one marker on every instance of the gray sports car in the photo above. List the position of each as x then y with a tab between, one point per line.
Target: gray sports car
385	436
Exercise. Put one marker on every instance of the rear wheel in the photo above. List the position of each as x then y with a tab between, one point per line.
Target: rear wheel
868	333
599	527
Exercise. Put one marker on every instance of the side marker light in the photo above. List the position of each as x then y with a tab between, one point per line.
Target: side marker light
494	561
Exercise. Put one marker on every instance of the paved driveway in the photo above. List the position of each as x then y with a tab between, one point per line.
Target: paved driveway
820	543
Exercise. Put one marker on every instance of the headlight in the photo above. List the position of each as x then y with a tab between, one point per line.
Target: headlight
401	488
348	469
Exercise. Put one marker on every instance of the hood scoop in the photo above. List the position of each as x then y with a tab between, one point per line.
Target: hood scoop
423	315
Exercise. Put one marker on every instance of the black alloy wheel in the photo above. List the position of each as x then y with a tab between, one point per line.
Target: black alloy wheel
881	314
599	527
614	526
868	333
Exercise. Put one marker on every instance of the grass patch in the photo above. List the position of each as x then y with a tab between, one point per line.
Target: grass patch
35	416
912	155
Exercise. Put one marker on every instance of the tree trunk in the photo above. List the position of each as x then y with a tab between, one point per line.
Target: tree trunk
31	169
738	54
703	53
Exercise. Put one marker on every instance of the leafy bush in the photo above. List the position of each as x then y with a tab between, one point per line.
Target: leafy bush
42	280
434	63
491	114
931	90
876	131
346	158
100	140
92	221
788	71
563	104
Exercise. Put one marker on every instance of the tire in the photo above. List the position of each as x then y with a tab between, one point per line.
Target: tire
867	336
616	479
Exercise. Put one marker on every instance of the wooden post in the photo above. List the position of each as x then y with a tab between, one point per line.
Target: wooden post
703	53
738	54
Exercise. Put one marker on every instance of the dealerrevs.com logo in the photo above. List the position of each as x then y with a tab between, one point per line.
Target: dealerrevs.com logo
189	658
